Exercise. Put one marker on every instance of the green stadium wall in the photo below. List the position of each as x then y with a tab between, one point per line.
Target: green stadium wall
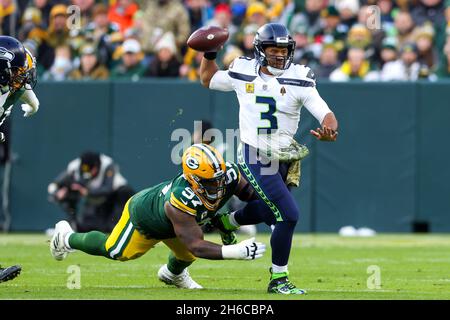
388	169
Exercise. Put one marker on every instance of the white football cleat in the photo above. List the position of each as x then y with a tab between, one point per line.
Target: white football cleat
182	280
58	248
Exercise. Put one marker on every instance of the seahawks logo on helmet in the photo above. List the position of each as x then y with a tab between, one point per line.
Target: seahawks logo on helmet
6	54
192	163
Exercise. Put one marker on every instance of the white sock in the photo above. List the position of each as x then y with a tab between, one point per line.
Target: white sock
66	240
233	220
279	269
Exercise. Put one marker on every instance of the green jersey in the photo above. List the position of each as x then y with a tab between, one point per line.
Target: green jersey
147	206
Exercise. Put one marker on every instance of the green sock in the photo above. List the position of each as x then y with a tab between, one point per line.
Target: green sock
177	266
91	242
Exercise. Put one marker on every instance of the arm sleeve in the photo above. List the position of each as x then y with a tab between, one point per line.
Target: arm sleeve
221	81
315	104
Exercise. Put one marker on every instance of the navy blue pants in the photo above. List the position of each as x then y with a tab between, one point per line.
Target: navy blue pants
275	206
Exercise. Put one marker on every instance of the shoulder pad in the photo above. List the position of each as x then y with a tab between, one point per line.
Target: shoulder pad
305	73
240	63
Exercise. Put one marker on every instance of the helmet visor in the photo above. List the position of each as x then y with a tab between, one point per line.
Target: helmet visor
213	188
19	77
277	57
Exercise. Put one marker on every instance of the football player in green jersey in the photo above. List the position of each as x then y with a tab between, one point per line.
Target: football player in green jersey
172	212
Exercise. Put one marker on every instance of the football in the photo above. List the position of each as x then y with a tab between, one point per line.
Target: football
207	39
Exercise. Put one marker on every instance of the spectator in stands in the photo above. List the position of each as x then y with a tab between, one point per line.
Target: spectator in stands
33	35
424	36
328	61
31	19
405	26
331	31
355	67
165	64
404	69
191	64
93	179
303	53
386	9
310	17
164	16
58	33
122	13
359	36
62	65
275	8
132	66
9	18
348	10
199	13
103	33
429	11
388	52
238	8
100	26
43	28
246	45
90	68
44	6
256	14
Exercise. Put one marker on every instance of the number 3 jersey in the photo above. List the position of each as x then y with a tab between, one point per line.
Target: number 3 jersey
270	106
147	206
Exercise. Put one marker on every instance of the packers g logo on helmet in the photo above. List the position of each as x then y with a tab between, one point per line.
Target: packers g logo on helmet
192	163
204	169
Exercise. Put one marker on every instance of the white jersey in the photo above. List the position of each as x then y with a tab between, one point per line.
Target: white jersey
270	104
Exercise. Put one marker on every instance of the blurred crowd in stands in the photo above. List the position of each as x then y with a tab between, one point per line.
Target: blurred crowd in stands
372	40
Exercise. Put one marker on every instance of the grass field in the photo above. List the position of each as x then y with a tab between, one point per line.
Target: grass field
328	266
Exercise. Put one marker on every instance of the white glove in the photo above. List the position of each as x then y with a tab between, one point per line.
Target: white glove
29	110
244	250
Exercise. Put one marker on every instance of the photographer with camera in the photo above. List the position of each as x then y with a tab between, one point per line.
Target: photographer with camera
93	182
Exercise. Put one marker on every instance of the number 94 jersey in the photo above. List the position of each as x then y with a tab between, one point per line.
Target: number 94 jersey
147	206
270	104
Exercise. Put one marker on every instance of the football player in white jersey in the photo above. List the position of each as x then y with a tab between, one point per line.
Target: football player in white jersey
271	91
17	79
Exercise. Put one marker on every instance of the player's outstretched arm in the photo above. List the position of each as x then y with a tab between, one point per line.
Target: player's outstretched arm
328	132
208	67
189	232
31	103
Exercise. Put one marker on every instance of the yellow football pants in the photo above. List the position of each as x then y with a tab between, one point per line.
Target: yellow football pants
126	243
